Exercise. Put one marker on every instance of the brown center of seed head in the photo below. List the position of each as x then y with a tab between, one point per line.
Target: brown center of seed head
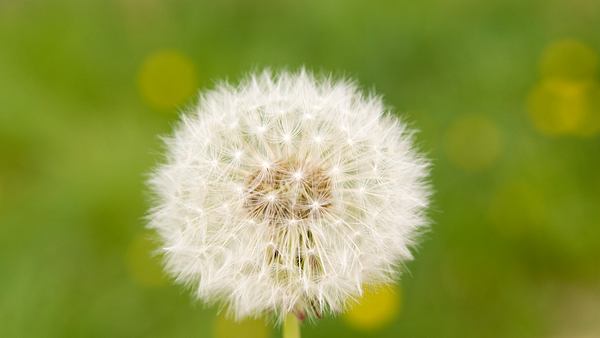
288	191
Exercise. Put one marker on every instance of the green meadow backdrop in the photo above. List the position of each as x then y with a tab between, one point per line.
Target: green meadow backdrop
505	94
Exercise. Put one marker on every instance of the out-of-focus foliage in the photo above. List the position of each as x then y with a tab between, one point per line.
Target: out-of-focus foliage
506	96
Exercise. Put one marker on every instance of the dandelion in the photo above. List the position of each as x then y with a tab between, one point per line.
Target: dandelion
287	194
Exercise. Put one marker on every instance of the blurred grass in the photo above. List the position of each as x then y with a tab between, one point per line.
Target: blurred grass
515	246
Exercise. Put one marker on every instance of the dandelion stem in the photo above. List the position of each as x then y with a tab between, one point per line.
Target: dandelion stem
291	327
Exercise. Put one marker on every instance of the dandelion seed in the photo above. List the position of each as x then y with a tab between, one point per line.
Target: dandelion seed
296	223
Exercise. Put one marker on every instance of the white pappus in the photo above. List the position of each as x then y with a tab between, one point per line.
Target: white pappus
288	193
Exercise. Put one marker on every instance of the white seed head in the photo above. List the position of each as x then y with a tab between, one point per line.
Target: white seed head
288	193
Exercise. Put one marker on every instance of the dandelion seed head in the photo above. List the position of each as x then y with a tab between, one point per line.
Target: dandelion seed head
288	193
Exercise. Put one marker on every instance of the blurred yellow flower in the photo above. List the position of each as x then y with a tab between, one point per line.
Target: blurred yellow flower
166	79
567	99
558	106
377	308
569	60
248	328
473	143
142	265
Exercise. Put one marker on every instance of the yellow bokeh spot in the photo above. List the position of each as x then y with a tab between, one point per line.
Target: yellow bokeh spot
143	265
473	143
248	328
375	309
567	99
558	106
569	60
166	79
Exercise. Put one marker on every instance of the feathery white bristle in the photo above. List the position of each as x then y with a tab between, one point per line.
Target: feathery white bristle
288	193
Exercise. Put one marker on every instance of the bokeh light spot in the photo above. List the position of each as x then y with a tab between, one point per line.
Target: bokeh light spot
377	308
569	60
559	106
247	328
143	265
166	79
567	99
473	143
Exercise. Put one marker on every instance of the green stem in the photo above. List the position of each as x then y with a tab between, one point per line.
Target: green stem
291	327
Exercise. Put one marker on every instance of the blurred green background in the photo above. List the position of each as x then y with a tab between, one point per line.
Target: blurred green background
505	95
